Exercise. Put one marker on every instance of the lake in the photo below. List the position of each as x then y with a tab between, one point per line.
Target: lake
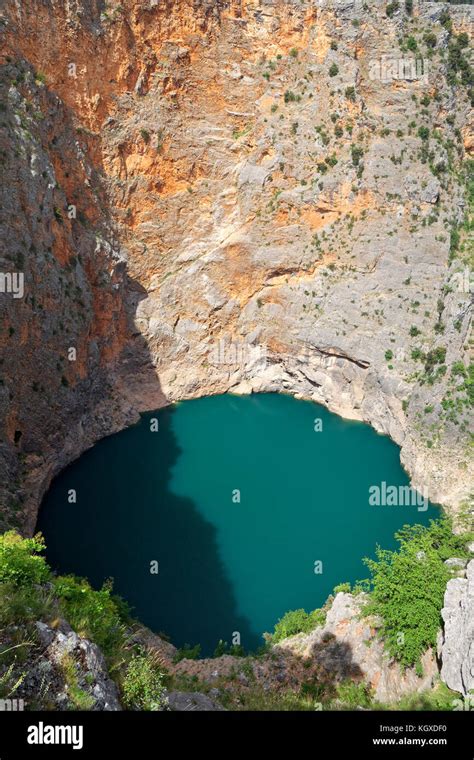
218	515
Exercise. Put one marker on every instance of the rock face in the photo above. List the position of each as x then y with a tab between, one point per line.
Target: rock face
347	647
68	672
230	196
457	642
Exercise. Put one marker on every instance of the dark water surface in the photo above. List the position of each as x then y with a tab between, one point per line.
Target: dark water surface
224	565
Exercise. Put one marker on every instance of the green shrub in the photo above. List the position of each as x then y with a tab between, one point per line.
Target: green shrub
92	614
20	562
354	695
236	650
333	70
80	699
142	686
297	621
392	8
407	587
430	39
435	356
23	604
356	153
344	587
187	653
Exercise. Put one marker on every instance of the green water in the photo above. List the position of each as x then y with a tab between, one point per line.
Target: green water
226	566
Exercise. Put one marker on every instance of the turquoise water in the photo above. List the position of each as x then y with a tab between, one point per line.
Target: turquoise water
226	566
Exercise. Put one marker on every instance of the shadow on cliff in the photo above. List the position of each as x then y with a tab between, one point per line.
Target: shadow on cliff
328	663
128	517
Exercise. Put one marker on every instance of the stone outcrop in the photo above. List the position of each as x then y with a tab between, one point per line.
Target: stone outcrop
456	646
66	671
347	647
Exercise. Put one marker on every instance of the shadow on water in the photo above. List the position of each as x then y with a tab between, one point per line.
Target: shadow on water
121	524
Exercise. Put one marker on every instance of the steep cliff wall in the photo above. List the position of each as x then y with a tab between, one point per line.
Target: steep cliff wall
266	200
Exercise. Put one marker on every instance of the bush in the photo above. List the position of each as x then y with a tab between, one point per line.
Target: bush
355	695
187	653
430	39
20	562
142	686
408	585
392	8
92	614
23	605
356	152
434	356
333	70
235	650
297	621
342	587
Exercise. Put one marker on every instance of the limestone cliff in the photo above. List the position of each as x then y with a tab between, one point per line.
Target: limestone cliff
191	186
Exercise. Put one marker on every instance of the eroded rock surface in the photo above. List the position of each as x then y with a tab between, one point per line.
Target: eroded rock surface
347	647
257	210
457	642
65	672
